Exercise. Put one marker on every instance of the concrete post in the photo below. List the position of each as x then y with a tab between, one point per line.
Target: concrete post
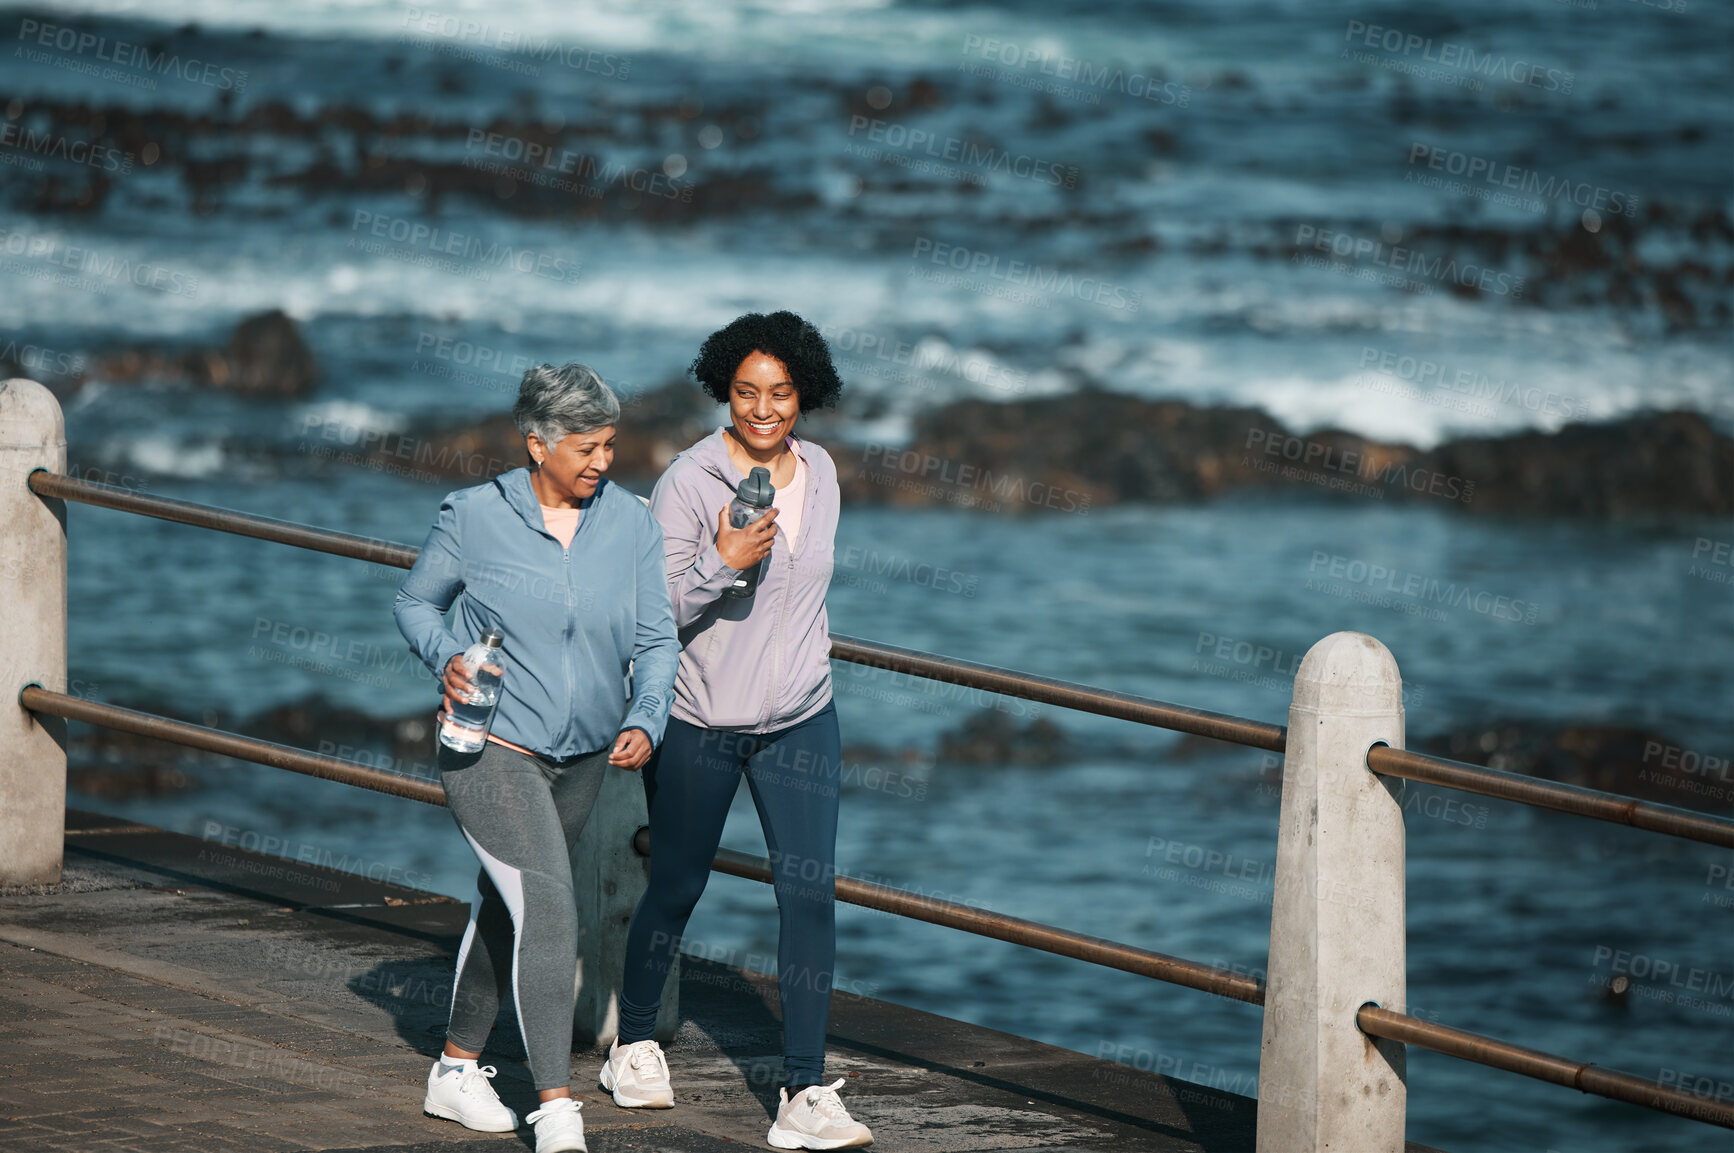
33	592
1337	919
608	877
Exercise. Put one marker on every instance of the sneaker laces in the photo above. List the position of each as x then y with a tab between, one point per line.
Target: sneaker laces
824	1101
645	1055
482	1073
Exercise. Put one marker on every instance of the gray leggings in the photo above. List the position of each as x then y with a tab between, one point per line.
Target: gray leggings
521	815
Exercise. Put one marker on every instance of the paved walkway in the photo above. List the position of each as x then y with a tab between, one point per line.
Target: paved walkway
175	995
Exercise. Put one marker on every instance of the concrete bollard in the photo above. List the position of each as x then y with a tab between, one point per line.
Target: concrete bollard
608	877
1337	918
33	593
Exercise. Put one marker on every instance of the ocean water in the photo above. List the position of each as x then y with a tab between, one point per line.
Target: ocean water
1165	256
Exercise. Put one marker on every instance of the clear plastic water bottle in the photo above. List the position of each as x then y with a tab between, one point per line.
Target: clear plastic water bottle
465	728
752	500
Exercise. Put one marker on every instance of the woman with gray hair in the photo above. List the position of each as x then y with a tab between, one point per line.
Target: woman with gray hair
569	569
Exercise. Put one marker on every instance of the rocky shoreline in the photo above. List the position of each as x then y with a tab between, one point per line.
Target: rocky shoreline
1093	449
1084	450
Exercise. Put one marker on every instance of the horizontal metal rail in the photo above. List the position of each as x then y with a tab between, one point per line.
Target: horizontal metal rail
983	923
1065	694
1400	1027
40	700
51	484
1477	779
1620	810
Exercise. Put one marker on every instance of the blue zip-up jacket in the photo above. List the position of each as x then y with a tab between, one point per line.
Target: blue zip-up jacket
574	618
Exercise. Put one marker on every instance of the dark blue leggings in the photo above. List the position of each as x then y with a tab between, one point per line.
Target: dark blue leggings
793	774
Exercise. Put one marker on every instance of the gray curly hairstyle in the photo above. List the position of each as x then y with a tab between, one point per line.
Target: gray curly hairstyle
554	402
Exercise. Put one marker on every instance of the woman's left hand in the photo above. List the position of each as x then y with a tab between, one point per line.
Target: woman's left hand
631	750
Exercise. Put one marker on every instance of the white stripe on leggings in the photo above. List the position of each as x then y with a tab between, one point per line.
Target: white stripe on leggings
510	884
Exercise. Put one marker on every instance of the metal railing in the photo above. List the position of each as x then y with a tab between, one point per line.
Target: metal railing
1371	1019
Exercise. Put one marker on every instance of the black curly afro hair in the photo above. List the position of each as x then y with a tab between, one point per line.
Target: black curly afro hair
782	335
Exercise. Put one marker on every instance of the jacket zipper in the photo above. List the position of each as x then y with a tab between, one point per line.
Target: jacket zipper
778	637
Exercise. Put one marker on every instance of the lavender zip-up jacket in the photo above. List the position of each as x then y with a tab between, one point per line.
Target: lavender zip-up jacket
763	663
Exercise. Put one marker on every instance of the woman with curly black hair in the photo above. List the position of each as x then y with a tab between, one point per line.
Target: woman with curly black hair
752	698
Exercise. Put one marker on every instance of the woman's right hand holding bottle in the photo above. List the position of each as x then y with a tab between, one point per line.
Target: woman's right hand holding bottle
742	548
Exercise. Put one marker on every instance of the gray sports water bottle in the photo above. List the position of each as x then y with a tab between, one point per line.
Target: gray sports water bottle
752	501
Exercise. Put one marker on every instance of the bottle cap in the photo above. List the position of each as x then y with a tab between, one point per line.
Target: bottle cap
756	490
493	638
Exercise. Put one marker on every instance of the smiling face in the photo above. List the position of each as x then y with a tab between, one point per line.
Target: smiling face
570	471
763	404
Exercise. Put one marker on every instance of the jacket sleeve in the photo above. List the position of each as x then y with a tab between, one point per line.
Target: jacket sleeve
429	590
697	574
656	648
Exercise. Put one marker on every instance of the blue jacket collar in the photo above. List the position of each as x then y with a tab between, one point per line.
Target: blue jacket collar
520	496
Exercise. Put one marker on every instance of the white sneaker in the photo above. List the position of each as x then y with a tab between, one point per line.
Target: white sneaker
464	1095
559	1128
816	1119
637	1075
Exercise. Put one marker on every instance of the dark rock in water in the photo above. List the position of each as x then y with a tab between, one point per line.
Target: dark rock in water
1614	758
654	426
993	738
1088	449
266	356
1643	464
